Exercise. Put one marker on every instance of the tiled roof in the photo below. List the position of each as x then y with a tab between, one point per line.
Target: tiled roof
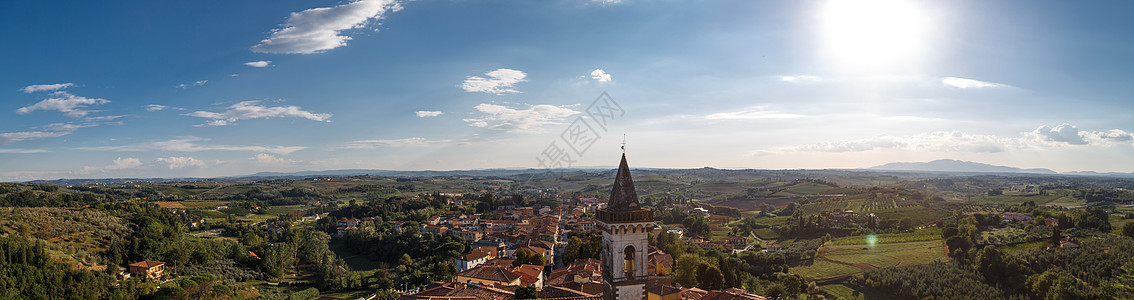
589	287
693	293
561	292
529	274
493	273
662	289
732	294
147	264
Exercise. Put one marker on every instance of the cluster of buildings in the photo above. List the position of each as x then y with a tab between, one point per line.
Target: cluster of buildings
629	268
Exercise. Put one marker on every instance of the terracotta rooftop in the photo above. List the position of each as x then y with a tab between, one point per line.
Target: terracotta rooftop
147	264
494	273
561	292
732	294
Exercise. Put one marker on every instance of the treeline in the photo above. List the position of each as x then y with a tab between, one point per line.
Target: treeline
27	271
761	273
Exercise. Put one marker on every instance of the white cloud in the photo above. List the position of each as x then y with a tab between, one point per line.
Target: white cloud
530	120
251	110
406	142
938	141
752	114
22	151
155	107
189	85
54	130
964	83
427	113
1064	133
268	159
600	76
46	87
607	2
799	78
258	64
192	144
498	82
117	164
66	103
9	137
1111	136
319	29
174	162
957	141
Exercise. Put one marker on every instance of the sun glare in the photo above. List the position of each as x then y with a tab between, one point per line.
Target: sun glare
874	34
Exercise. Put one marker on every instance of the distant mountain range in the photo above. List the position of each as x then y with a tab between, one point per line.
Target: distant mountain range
952	165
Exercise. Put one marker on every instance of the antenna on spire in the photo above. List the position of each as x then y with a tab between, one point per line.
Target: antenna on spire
623	143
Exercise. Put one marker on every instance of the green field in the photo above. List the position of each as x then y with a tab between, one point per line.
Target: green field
1014	200
766	234
809	188
203	204
837	261
927	234
1067	202
817	269
888	255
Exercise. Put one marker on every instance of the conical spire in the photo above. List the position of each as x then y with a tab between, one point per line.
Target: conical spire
623	197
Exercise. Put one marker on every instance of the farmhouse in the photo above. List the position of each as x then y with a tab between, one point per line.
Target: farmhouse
150	269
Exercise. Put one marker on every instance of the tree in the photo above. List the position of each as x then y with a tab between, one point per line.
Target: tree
571	252
1128	229
529	257
710	277
685	270
526	292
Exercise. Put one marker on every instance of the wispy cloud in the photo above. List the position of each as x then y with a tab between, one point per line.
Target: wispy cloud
800	78
497	82
320	29
46	87
176	162
938	141
758	113
22	151
268	159
258	64
406	142
117	164
530	120
965	83
195	83
55	130
193	144
66	103
252	110
427	113
9	137
958	141
600	76
155	107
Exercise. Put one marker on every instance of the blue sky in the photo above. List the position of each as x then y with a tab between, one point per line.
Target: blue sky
217	88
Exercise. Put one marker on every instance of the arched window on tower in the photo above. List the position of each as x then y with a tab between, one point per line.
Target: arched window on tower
628	256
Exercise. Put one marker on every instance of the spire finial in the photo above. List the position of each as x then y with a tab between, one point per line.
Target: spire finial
623	143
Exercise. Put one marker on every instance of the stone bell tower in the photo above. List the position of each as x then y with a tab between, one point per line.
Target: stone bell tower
625	227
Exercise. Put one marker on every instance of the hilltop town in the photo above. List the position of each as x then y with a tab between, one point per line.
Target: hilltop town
659	234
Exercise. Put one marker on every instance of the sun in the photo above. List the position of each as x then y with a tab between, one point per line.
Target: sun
875	34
